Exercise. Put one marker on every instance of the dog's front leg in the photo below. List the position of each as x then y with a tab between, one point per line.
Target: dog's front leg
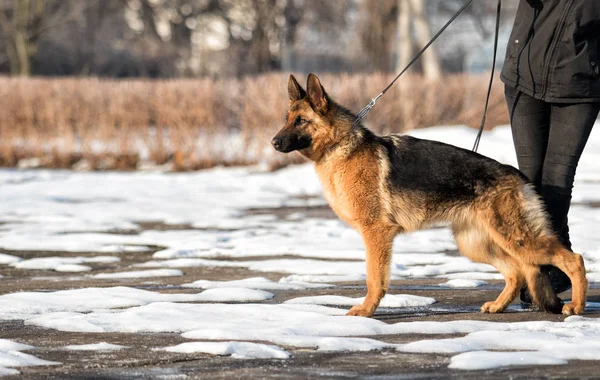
378	243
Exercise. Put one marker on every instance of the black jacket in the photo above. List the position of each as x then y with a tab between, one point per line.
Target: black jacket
554	51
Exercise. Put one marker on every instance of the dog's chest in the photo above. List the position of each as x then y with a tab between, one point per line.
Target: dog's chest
335	193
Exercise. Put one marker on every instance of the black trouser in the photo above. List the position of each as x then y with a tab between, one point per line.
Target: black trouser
549	139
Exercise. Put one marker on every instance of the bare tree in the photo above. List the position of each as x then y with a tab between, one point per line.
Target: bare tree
263	56
293	15
18	19
263	32
430	61
405	41
378	29
23	22
164	34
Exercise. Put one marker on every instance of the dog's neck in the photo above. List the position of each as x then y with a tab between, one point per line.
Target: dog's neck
340	146
342	138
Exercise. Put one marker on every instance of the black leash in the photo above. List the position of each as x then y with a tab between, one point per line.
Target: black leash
371	104
361	115
489	91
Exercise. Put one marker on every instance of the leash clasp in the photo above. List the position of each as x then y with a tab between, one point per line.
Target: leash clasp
367	108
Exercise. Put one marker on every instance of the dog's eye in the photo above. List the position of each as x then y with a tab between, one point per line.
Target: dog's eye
300	121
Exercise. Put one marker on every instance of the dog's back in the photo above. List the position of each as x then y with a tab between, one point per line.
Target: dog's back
439	177
437	168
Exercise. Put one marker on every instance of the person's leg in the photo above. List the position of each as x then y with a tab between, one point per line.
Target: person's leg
570	127
530	124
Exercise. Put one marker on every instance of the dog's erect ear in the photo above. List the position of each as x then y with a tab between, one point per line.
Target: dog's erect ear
294	90
316	93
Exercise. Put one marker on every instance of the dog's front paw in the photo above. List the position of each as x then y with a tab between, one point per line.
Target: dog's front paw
571	309
491	307
361	311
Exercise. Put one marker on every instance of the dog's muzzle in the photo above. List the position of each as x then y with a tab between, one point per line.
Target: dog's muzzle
277	143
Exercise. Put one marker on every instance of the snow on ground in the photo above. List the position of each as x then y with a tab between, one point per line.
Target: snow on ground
10	357
325	278
535	345
24	305
323	328
256	283
63	264
239	350
102	346
463	283
139	274
488	360
8	259
472	276
72	268
323	267
87	213
389	300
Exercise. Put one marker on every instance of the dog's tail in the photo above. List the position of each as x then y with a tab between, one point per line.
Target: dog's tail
541	291
537	220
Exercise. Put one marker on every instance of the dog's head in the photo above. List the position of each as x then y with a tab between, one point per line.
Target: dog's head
307	126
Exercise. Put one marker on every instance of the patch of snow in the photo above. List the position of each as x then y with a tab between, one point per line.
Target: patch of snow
102	346
11	357
72	268
57	262
463	283
120	248
458	265
8	259
479	360
389	300
472	276
323	267
139	274
4	371
25	305
234	295
9	345
536	342
238	350
324	278
188	263
336	344
256	283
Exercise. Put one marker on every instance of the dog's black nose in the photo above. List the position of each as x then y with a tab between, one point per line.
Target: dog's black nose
276	142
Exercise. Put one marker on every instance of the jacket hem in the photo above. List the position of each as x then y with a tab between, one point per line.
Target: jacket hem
547	98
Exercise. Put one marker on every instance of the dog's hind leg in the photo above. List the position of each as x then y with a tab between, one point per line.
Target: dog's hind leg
475	243
570	263
541	290
548	250
519	225
378	243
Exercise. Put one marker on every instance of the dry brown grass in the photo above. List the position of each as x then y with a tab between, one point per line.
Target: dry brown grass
190	124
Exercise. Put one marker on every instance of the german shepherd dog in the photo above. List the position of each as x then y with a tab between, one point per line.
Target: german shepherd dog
386	185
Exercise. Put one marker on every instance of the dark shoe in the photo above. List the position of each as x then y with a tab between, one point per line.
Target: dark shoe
559	280
525	296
